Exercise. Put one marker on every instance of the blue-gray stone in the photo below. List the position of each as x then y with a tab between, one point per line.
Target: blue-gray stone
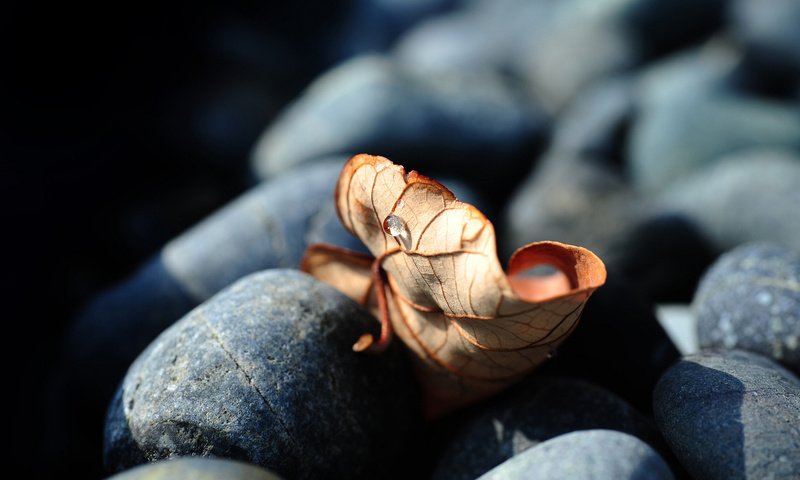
750	300
731	415
537	410
769	33
571	199
196	468
747	197
585	455
264	372
452	122
482	35
266	227
590	34
679	135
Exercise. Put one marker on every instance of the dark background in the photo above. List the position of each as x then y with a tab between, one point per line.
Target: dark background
123	124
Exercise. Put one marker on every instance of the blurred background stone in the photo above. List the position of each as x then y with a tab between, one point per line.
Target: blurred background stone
265	372
585	454
536	410
269	226
120	134
197	469
451	122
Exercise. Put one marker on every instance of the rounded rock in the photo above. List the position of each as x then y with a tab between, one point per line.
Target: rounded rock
196	468
731	415
750	300
537	410
747	197
585	455
264	372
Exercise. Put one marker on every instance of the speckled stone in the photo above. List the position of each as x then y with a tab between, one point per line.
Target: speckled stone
731	415
196	468
750	300
537	410
264	372
585	455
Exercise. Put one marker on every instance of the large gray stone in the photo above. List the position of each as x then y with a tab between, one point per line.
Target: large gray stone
768	31
264	372
585	455
731	415
537	410
747	197
750	300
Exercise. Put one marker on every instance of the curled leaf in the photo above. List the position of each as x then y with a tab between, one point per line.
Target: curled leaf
437	283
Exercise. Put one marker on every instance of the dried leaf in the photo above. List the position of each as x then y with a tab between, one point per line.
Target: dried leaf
437	283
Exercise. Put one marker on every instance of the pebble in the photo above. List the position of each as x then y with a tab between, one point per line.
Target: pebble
769	34
618	344
196	468
264	372
535	411
585	455
747	197
676	138
731	415
750	300
451	122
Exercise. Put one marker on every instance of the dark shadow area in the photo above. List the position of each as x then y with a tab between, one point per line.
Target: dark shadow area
618	344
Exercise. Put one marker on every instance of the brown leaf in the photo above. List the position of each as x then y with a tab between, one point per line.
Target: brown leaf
437	282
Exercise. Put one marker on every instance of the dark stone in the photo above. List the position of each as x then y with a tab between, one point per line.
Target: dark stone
588	454
372	26
482	35
731	415
685	130
573	200
664	256
596	123
618	344
747	197
750	300
269	226
451	122
652	23
196	468
264	372
768	33
536	410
